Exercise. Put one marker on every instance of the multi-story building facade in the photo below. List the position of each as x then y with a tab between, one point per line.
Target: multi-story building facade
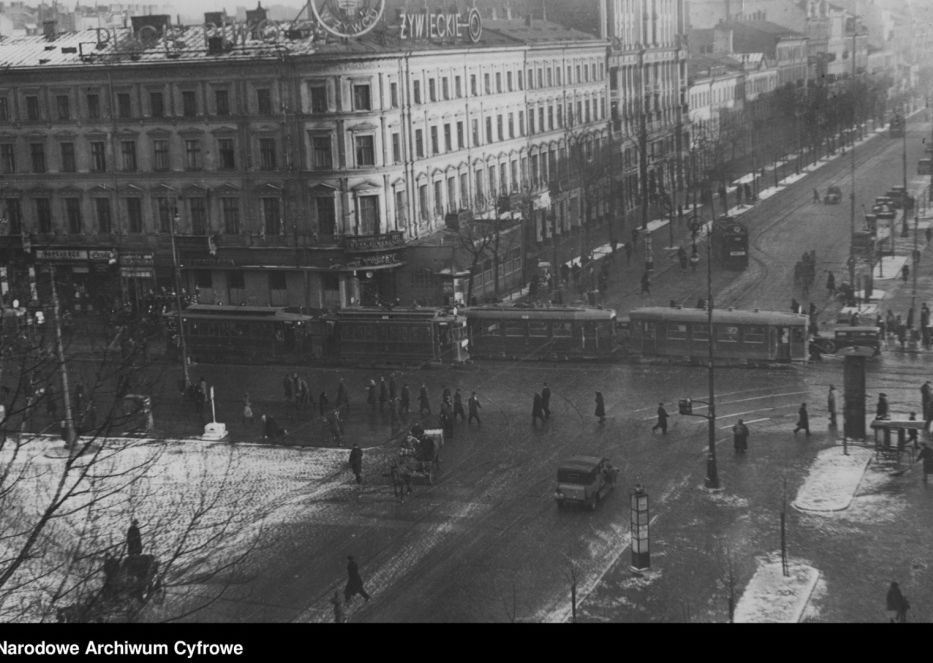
287	168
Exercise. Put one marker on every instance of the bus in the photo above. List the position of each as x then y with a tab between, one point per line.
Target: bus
730	243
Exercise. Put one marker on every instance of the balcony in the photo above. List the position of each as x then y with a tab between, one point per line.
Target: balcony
366	243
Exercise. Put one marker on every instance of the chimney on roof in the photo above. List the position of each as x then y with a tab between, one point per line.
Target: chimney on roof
49	29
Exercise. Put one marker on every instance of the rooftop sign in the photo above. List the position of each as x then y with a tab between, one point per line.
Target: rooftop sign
348	18
441	25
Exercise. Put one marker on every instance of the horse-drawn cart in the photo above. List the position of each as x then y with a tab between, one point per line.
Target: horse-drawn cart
420	455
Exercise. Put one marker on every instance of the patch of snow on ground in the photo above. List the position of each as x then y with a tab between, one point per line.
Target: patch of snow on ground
724	499
812	612
833	479
772	598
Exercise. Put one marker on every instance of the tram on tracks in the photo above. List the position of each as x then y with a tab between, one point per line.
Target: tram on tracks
269	334
897	127
248	334
753	336
500	332
375	335
730	243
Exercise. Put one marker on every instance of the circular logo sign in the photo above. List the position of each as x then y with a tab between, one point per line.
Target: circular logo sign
348	18
475	25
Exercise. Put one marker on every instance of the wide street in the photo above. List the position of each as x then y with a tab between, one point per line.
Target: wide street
487	543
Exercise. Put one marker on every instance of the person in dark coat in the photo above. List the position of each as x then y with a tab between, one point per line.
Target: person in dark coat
322	404
343	399
897	603
445	398
458	406
546	401
600	407
662	420
383	393
474	407
740	437
831	284
287	387
537	411
926	400
371	394
645	284
404	402
356	462
354	582
803	420
926	455
881	409
424	405
134	540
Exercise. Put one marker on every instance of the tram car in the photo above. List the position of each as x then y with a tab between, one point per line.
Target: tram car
248	334
730	243
897	127
753	336
500	332
377	335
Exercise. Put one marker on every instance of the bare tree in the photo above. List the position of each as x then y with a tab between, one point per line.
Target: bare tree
64	508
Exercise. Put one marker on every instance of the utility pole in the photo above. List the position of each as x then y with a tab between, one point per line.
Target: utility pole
70	436
851	261
643	137
712	474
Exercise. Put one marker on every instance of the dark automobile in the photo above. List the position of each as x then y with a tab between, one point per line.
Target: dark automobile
584	480
833	196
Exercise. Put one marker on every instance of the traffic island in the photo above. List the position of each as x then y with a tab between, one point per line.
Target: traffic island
775	597
833	479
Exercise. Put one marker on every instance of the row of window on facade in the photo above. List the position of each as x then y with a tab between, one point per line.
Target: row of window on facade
97	158
60	106
321	145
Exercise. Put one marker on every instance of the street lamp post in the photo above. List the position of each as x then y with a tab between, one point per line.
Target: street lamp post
712	476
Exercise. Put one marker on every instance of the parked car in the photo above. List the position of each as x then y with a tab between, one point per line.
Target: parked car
585	480
833	196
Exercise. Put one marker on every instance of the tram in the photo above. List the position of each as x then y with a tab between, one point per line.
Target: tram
897	127
753	336
247	334
730	243
500	332
376	335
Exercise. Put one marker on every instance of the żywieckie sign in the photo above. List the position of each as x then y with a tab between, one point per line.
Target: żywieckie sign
441	25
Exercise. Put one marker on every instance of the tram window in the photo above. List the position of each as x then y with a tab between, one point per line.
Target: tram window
515	327
797	334
755	334
727	333
562	329
700	332
677	332
491	329
538	328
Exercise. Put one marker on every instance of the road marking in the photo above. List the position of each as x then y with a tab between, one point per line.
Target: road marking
752	421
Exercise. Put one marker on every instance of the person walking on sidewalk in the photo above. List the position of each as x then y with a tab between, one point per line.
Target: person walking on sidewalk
356	462
645	283
897	604
831	406
383	393
662	420
926	403
803	420
371	395
926	455
831	284
537	411
816	196
925	326
458	406
600	408
905	272
248	416
740	437
546	401
474	406
404	402
288	388
354	582
424	405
